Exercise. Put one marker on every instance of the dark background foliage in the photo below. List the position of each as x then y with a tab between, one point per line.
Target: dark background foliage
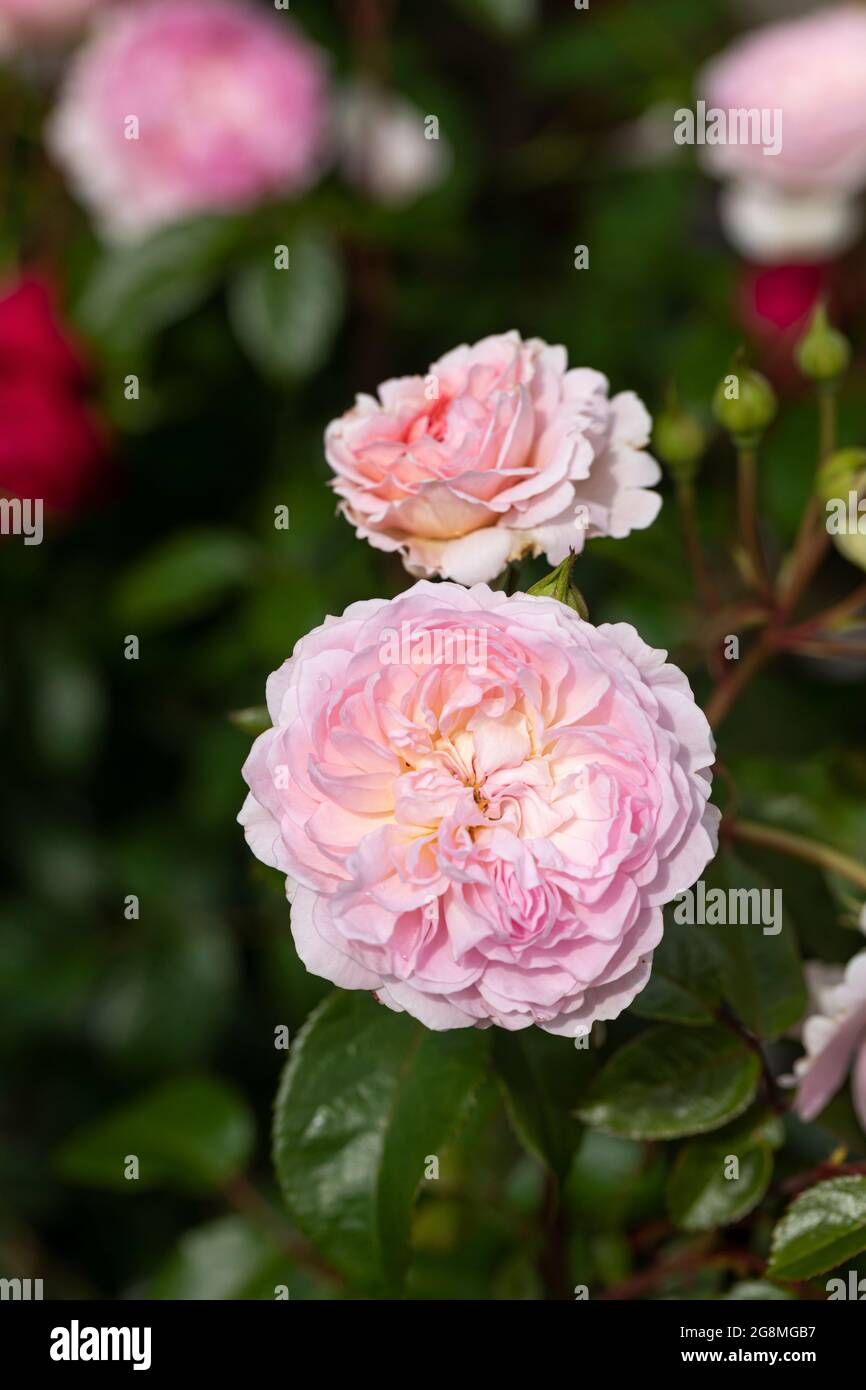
123	777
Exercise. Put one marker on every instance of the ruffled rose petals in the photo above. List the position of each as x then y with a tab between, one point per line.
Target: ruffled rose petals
482	804
498	451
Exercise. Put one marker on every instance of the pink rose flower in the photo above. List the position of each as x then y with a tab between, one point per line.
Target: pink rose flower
797	203
500	451
482	804
177	107
813	69
834	1036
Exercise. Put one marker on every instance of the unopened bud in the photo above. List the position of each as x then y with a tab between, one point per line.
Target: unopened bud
841	484
679	440
841	473
744	405
823	353
558	585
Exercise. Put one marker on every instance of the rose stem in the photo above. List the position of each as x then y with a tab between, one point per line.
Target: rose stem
747	497
812	539
798	846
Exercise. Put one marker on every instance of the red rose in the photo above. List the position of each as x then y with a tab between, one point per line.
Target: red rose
51	445
781	297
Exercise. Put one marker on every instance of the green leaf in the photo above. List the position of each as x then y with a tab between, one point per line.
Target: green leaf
167	994
823	1228
287	319
184	577
542	1077
614	1182
229	1258
686	981
757	1291
233	1258
840	1119
252	721
366	1098
193	1134
763	973
509	17
137	290
670	1082
700	1195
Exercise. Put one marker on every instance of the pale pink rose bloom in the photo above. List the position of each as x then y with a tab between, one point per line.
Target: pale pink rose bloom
482	804
834	1036
383	145
228	103
498	452
798	202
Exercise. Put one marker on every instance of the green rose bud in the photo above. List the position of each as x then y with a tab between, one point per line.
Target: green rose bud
841	484
744	405
823	353
558	585
679	440
841	473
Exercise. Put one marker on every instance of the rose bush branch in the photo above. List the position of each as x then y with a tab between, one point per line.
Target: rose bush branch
823	356
798	847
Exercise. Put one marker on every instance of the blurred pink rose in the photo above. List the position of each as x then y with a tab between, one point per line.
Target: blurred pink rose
500	451
834	1036
797	203
482	804
813	70
182	106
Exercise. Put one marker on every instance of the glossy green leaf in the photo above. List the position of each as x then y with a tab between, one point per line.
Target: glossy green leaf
184	577
763	973
686	981
193	1134
672	1081
542	1077
367	1098
823	1228
701	1196
286	319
